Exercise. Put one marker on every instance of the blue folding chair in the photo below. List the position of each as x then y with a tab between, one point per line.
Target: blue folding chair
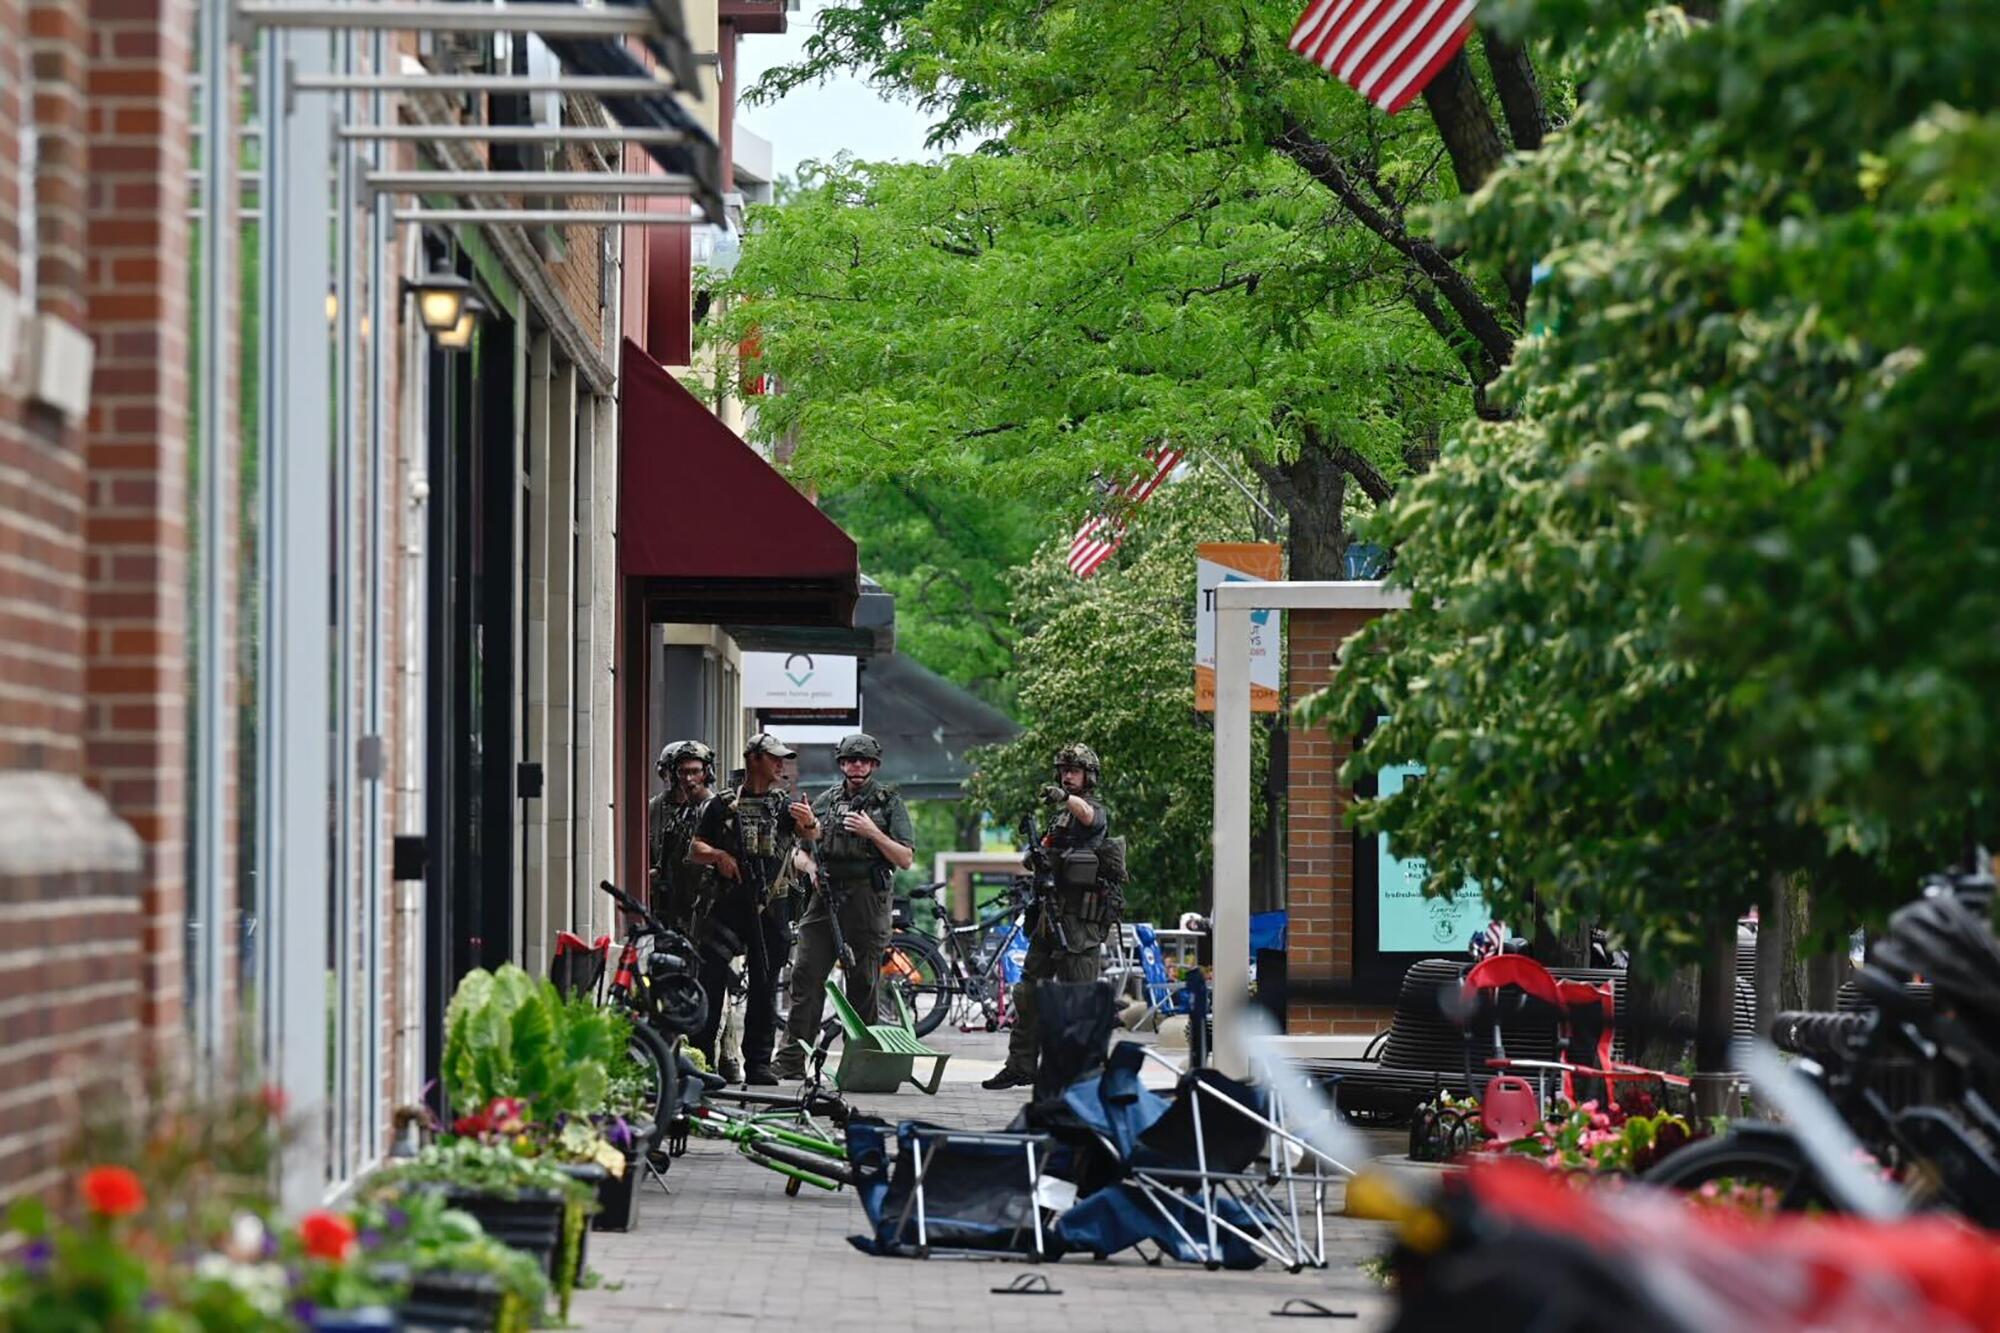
1164	999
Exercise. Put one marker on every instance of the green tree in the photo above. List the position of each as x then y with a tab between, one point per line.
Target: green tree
1719	604
1109	661
1176	230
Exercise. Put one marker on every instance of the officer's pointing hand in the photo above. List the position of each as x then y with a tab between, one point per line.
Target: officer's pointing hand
856	822
1055	795
803	814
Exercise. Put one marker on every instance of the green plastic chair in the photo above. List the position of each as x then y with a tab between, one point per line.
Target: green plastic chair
881	1057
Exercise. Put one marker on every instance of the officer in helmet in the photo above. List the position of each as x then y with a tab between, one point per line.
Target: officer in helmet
682	890
868	837
1067	931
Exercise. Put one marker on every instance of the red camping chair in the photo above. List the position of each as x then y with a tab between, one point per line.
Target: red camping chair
1585	1020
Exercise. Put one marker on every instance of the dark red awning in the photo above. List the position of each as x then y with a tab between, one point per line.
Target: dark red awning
710	525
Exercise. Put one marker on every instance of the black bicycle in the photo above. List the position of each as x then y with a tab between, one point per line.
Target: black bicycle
964	976
1915	1076
656	987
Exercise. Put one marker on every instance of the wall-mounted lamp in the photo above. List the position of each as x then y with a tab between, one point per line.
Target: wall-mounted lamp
459	336
441	301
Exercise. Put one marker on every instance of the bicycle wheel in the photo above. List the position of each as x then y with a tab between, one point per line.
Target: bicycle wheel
656	1078
1758	1160
915	968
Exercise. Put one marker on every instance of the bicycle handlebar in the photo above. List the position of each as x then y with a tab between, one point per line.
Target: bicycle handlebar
632	906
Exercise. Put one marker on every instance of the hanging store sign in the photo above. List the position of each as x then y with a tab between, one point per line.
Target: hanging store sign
803	688
1217	563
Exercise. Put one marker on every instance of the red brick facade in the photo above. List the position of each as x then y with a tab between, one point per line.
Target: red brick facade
1320	939
92	563
135	528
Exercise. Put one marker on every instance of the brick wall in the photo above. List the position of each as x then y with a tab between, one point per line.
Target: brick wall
77	956
1320	857
136	451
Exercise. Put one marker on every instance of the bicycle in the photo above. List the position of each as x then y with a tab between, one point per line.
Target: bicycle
1914	1076
780	1132
966	975
655	987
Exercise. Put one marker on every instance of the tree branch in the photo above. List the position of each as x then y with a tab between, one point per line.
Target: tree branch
1317	159
1350	460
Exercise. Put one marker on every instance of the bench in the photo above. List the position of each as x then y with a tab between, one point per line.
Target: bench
1423	1052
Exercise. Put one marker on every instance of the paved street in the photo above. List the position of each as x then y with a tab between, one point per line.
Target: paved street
729	1246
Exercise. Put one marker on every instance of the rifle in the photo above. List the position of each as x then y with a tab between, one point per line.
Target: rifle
1038	886
833	898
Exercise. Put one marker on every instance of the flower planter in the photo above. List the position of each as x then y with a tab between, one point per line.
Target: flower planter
618	1197
595	1176
446	1300
532	1222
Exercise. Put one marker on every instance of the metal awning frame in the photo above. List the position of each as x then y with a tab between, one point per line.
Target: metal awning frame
545	217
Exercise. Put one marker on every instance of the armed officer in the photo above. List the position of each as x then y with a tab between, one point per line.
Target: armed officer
747	834
1067	928
868	838
682	890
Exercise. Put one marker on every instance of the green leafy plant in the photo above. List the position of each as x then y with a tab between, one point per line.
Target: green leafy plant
420	1233
508	1035
479	1168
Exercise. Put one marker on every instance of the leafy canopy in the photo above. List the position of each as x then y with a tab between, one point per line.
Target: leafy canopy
1721	603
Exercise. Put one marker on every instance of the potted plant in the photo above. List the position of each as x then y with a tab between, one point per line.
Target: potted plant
527	1202
455	1275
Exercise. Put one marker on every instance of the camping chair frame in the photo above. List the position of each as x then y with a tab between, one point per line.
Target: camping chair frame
1034	1148
1280	1233
1164	1000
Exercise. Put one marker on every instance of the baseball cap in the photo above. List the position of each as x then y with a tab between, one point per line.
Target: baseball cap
765	743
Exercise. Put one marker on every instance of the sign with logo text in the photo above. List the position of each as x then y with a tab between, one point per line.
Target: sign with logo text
1408	922
802	687
1217	563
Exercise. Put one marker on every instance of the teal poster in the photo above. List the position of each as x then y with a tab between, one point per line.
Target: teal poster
1408	922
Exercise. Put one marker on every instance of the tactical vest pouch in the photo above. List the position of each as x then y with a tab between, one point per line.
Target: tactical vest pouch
1078	870
1111	863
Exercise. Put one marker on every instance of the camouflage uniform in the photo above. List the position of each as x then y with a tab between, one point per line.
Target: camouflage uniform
759	831
682	890
1065	941
862	879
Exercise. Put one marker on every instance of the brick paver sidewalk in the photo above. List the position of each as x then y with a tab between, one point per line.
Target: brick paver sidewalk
727	1249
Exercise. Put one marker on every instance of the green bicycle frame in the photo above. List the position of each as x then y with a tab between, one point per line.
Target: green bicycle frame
751	1132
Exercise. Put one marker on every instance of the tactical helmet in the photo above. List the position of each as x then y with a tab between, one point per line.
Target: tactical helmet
859	745
1078	755
679	752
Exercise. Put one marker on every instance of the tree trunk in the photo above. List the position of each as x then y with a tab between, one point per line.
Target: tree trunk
968	825
1313	490
1823	980
1772	915
1464	123
1793	990
1520	93
1715	1023
1658	1015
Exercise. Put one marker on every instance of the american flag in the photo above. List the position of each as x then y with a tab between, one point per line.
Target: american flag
1101	533
1386	50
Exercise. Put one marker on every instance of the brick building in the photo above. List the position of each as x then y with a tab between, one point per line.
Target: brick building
94	397
319	675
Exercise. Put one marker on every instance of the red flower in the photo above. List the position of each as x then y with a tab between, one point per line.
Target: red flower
272	1098
471	1126
113	1191
326	1235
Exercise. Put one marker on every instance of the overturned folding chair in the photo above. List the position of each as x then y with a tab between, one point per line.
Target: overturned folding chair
881	1057
1212	1175
953	1193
